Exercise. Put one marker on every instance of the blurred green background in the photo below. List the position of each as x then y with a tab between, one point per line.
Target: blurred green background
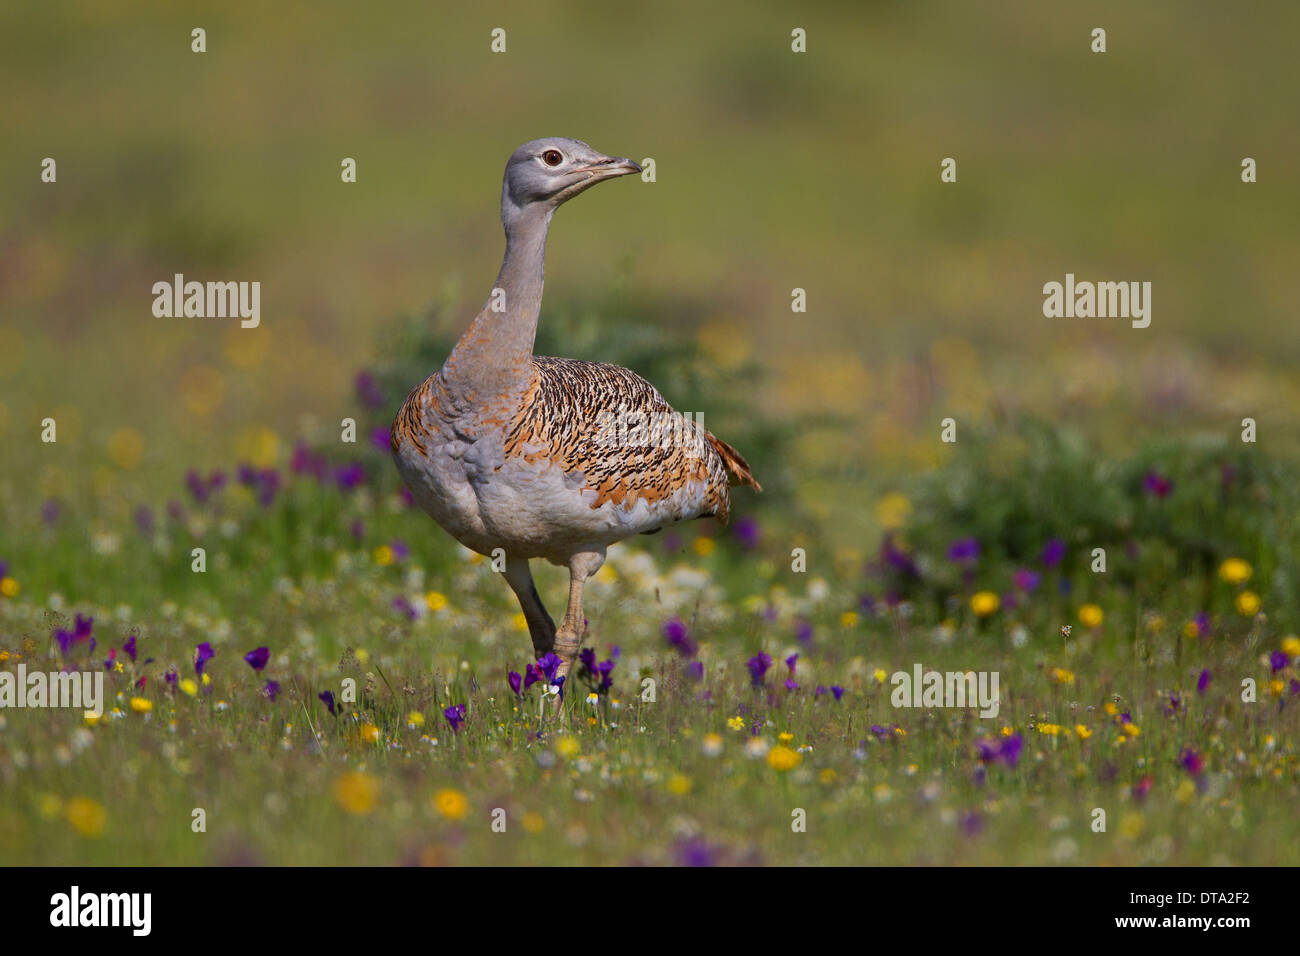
775	171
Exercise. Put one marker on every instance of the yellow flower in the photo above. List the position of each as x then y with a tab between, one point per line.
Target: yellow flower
1050	729
827	776
1062	676
436	600
892	511
369	733
880	675
384	556
1090	615
1247	603
1291	646
1131	729
711	745
568	746
848	618
736	723
356	792
704	546
784	737
1083	732
141	705
9	587
1007	731
679	785
86	816
533	822
1191	630
519	622
1235	571
450	803
783	759
1110	708
984	603
415	719
1275	687
189	687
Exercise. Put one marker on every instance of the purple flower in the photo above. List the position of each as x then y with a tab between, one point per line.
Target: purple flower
1277	660
1202	622
382	437
791	684
791	662
1192	762
306	462
695	671
747	532
368	390
403	606
81	630
803	632
674	631
1053	552
171	678
515	681
1142	788
896	558
327	698
695	852
144	520
758	665
50	510
1027	580
548	664
1154	483
531	676
129	647
257	658
271	690
350	476
964	550
837	690
1004	750
455	715
202	654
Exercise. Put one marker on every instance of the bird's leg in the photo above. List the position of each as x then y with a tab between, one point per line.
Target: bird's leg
569	635
540	626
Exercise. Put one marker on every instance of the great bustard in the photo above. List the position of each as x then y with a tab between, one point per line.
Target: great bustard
535	456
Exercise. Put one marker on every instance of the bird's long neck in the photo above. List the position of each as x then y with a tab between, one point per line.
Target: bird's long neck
494	355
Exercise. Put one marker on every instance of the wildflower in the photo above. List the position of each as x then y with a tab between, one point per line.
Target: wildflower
533	822
1235	571
455	715
202	654
711	744
189	687
736	723
1247	603
785	737
548	664
704	546
1027	580
450	803
1154	483
1291	647
141	705
435	600
892	511
679	785
568	747
1005	751
86	816
1083	731
1203	681
1131	729
964	550
848	619
129	647
257	658
1277	660
782	758
837	691
1053	553
1192	762
515	681
327	698
984	603
9	587
356	792
758	665
747	532
383	555
1061	676
271	690
674	632
369	733
1090	615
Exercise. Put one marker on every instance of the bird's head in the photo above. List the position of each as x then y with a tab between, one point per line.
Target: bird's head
553	170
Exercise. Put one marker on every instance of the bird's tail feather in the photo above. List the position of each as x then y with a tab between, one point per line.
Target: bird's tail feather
737	468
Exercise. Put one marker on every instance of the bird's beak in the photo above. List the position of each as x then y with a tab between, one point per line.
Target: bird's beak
608	168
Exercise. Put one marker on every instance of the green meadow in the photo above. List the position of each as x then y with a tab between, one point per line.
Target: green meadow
1112	532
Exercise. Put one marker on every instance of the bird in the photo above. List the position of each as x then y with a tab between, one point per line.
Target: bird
521	457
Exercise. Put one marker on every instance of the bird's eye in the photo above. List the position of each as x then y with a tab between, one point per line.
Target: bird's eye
552	157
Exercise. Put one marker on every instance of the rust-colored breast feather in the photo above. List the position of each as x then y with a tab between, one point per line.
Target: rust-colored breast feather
409	425
613	428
